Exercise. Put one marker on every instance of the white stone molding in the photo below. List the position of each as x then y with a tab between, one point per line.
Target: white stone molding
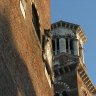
23	7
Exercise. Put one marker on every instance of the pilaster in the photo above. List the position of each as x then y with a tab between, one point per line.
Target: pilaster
76	47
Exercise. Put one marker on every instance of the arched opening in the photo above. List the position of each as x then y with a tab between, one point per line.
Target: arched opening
35	20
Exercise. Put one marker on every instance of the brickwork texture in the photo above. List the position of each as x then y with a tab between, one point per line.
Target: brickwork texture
21	66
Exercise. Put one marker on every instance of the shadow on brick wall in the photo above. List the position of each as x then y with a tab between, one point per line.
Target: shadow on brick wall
14	76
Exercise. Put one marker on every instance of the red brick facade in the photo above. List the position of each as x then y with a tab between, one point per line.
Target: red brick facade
22	72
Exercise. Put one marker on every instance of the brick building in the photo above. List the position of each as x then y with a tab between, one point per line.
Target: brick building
71	78
25	68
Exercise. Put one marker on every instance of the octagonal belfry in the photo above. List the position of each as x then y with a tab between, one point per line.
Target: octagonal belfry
70	76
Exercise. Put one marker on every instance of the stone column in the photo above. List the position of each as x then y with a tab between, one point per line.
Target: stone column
55	46
62	43
69	51
76	47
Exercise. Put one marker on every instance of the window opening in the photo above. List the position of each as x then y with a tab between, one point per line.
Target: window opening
71	44
67	44
35	21
57	45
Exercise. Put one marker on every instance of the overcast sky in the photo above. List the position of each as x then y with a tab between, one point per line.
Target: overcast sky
82	12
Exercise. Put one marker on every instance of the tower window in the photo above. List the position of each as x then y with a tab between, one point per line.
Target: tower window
35	21
57	43
67	43
71	44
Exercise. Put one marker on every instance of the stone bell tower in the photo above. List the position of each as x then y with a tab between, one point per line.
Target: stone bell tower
70	76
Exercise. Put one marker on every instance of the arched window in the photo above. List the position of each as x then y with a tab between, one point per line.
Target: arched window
71	46
35	20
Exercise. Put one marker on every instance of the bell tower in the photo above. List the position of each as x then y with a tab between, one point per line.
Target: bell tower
68	40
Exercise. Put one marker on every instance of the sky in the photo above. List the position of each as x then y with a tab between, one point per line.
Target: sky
82	12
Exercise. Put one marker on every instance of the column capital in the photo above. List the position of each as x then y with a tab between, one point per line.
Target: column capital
75	39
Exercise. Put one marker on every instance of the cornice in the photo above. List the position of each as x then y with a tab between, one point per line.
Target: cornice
85	78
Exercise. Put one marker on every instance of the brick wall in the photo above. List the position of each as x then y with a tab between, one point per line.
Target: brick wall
82	87
21	66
